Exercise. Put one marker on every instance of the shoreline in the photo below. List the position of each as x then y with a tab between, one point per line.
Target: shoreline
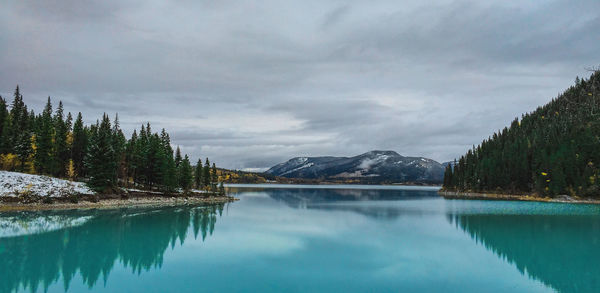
111	202
513	197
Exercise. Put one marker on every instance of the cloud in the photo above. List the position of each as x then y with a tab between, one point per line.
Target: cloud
250	84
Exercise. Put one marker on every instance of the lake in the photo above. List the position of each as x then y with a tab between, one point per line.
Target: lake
307	239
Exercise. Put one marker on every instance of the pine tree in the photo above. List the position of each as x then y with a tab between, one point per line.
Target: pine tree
5	143
185	174
61	148
19	135
16	115
178	158
206	174
214	177
79	145
43	157
119	143
198	174
3	120
100	163
131	157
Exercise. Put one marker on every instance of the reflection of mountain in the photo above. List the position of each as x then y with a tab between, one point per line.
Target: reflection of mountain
562	251
137	238
342	199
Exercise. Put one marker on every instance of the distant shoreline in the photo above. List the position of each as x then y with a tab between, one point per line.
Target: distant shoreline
513	197
325	183
110	201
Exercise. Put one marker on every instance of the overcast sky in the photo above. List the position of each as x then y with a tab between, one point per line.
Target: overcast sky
253	83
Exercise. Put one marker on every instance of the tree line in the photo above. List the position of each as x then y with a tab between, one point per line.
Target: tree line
51	143
550	151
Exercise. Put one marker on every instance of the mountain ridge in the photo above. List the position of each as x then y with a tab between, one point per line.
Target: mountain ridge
377	166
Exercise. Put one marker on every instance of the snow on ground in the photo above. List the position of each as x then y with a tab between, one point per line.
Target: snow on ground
298	168
14	183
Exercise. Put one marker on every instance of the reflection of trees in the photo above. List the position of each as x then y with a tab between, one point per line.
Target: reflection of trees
138	238
562	251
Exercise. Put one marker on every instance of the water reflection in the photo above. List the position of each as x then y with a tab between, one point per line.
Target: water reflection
38	253
367	202
556	244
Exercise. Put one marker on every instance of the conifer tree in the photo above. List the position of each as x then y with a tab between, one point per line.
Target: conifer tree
3	119
198	174
185	174
119	143
43	158
79	145
100	163
16	115
178	158
61	148
19	134
214	176
131	157
206	174
23	142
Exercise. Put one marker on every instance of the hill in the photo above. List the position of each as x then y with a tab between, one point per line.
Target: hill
376	167
551	151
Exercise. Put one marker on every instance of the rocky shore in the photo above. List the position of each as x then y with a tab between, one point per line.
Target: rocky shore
514	197
132	199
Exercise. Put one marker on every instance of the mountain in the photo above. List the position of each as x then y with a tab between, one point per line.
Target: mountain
552	151
370	167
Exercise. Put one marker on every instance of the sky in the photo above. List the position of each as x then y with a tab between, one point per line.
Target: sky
253	83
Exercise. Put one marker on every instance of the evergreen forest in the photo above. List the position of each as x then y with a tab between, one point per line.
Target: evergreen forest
57	144
552	151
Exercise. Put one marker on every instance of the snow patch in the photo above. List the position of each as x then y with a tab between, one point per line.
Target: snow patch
14	183
298	168
367	163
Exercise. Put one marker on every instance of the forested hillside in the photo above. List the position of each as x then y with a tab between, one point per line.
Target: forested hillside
56	144
551	151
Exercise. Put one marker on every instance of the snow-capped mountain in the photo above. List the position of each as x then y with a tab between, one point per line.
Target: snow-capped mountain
373	166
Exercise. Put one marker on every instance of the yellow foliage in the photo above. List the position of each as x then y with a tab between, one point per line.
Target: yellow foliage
71	170
544	174
9	161
33	145
589	94
70	138
29	165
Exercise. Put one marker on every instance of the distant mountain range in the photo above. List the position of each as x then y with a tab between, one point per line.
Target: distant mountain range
370	167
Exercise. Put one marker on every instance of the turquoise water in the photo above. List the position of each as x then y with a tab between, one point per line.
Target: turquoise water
310	239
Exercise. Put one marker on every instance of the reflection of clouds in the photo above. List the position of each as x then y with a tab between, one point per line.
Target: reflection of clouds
257	225
418	248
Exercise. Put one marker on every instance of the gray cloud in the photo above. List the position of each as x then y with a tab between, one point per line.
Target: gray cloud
251	83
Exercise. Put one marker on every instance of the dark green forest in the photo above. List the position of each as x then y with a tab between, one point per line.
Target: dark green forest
554	150
57	144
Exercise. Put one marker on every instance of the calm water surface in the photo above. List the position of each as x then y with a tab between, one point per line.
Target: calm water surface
307	239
